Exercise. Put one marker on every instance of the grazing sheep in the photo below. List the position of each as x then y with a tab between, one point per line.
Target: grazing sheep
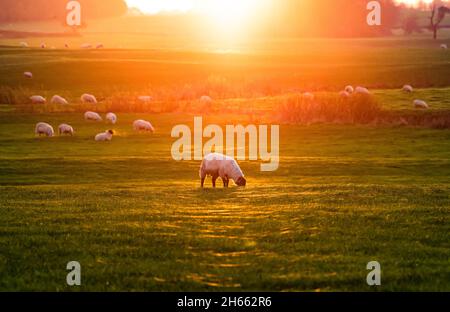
444	46
44	128
218	165
65	129
105	136
408	88
92	116
344	94
420	104
99	46
28	75
143	125
112	118
308	96
37	99
86	46
56	99
23	44
206	99
145	98
88	98
349	89
362	90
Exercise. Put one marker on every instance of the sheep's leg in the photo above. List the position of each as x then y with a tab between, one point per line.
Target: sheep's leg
225	181
214	179
203	181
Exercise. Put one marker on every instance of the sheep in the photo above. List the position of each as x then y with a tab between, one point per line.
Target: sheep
28	75
308	96
92	116
37	99
43	45
218	165
362	90
344	94
66	45
88	98
145	98
86	46
420	104
206	99
444	46
105	136
56	99
65	129
23	44
44	128
99	46
112	118
408	88
349	89
143	125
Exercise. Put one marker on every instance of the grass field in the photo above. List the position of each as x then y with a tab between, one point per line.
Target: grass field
135	219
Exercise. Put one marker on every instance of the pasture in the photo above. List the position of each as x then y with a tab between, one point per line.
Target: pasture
137	220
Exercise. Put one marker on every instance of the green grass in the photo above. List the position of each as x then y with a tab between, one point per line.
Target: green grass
137	220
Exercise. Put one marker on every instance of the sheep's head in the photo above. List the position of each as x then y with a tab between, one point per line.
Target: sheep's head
241	181
111	132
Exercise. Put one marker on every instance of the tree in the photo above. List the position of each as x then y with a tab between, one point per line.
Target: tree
437	16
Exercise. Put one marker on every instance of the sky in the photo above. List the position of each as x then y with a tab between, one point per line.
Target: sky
174	6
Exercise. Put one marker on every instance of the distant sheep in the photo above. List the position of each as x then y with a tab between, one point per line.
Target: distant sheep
349	89
65	129
444	46
28	75
66	45
37	99
86	46
92	116
308	96
344	94
99	46
218	165
362	90
145	98
112	118
45	129
420	104
143	125
88	98
56	99
23	44
105	136
206	99
43	45
408	88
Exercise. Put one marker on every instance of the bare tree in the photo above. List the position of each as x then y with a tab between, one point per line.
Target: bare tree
437	16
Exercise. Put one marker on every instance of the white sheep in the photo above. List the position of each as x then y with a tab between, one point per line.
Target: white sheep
88	98
143	125
362	90
444	46
145	98
344	94
86	46
205	99
420	104
349	89
308	96
112	118
104	136
56	99
23	44
65	129
28	75
218	165
37	99
408	88
44	128
92	116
